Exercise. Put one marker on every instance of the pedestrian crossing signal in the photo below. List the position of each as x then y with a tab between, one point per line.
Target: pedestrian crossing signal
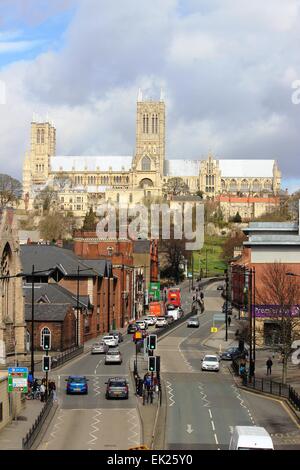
46	363
152	364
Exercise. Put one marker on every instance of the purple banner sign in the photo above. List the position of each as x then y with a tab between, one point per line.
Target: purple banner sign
269	311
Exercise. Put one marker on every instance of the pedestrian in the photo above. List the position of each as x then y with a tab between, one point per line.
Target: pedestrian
229	320
42	392
30	381
52	389
269	364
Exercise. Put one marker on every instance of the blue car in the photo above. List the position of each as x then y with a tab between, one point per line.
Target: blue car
77	384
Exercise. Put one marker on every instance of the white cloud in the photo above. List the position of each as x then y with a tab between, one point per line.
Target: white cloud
17	46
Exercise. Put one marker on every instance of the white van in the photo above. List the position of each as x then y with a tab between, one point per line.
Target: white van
250	438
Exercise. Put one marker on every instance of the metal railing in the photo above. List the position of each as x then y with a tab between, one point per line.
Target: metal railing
28	440
269	386
65	356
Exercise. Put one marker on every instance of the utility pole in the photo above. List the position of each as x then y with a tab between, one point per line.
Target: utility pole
32	321
77	308
206	263
192	271
226	306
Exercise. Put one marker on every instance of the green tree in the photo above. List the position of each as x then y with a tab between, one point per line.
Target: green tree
90	221
46	199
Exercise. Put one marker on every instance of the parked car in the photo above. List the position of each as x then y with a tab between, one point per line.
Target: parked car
233	353
110	340
99	348
210	362
141	324
131	328
161	322
153	317
193	322
117	387
77	384
117	334
150	320
113	356
170	319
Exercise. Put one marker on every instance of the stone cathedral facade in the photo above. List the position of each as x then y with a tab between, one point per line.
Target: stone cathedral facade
131	178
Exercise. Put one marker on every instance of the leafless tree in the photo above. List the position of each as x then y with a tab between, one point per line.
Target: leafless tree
283	292
10	190
175	187
46	199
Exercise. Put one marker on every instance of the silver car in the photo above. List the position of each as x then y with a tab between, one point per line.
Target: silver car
99	348
113	357
193	322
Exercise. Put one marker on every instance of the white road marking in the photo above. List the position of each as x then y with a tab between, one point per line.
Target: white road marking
95	427
216	439
213	425
133	437
189	429
210	415
170	393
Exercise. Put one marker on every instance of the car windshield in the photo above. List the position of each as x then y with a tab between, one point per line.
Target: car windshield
80	380
210	358
113	353
96	345
108	337
117	383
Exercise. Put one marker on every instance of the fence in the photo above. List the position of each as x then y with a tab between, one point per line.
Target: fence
32	434
269	386
65	356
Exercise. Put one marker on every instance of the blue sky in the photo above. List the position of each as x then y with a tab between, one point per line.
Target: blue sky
227	69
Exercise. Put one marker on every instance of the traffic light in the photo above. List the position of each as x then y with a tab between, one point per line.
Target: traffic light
46	342
46	363
152	342
152	364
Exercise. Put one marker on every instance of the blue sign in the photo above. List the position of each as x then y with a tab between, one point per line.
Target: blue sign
18	370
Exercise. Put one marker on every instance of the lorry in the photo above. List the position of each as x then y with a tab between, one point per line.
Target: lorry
173	296
157	309
250	438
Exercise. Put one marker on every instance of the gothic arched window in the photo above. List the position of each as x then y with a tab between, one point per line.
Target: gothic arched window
146	164
44	331
38	136
42	136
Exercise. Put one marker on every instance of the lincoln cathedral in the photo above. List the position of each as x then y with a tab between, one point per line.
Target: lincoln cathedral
131	178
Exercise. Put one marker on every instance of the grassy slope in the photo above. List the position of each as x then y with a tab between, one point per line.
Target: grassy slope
215	265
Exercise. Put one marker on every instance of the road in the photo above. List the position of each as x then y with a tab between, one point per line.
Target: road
90	422
204	406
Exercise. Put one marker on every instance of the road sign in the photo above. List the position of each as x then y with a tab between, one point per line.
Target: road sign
137	335
154	290
213	329
18	379
219	317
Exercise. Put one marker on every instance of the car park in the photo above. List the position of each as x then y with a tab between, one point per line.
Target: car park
131	328
117	387
193	322
210	362
77	385
113	356
110	340
99	348
118	335
161	322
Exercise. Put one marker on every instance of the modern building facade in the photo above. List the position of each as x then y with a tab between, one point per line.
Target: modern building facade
83	181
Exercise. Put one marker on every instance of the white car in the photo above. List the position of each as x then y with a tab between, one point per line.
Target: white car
150	321
110	340
113	357
161	322
141	324
210	362
153	318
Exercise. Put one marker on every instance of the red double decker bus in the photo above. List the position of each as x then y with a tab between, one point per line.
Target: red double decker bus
173	296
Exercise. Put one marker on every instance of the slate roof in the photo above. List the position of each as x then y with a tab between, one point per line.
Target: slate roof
47	312
51	256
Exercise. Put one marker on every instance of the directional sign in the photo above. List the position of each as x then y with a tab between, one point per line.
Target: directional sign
219	317
18	379
213	329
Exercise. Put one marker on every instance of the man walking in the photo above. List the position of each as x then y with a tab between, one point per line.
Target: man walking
229	320
269	364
